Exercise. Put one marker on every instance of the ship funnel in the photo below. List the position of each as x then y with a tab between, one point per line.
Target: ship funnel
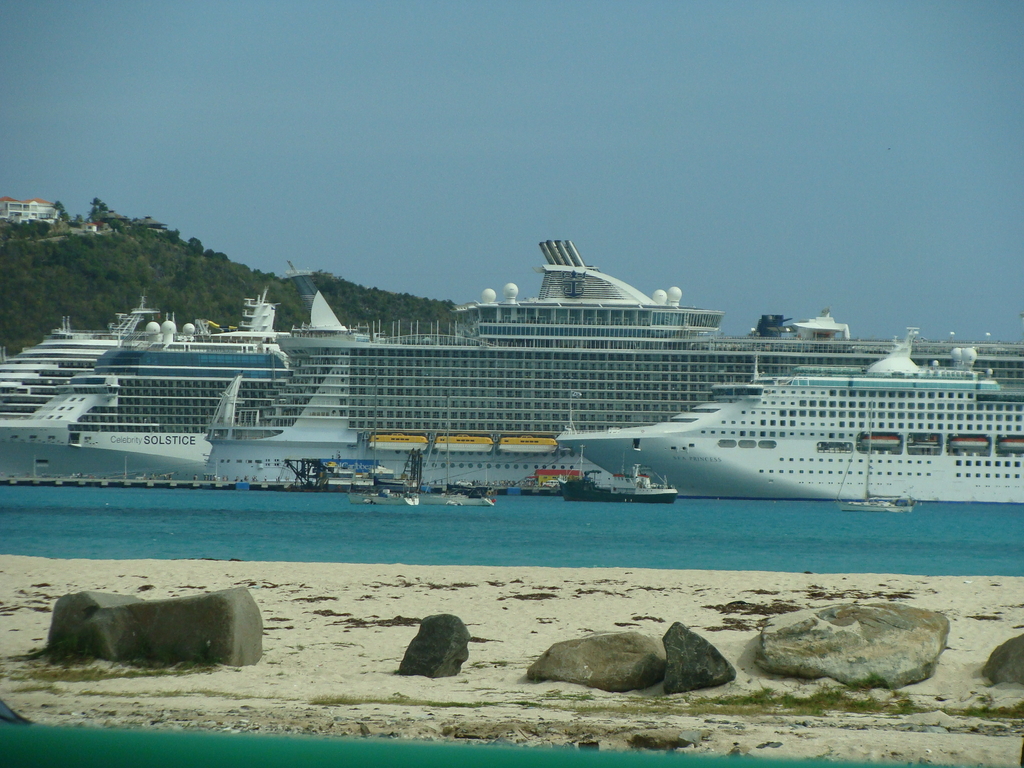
562	253
304	283
320	313
574	254
552	254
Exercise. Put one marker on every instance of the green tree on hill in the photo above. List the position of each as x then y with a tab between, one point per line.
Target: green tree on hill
98	209
91	278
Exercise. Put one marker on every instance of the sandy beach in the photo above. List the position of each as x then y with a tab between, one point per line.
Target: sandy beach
334	635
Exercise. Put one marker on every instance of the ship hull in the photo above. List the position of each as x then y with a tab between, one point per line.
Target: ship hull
264	459
698	468
577	490
103	454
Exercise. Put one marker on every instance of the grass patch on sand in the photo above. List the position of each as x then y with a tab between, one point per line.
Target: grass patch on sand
405	701
820	702
37	688
89	673
1014	712
761	702
204	692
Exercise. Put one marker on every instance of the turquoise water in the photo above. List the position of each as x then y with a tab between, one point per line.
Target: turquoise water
934	539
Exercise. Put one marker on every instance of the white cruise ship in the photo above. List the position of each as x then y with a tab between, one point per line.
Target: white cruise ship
144	408
30	378
894	430
489	399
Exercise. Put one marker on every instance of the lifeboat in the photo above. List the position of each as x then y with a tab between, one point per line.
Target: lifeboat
463	443
881	441
968	443
527	444
1010	444
398	442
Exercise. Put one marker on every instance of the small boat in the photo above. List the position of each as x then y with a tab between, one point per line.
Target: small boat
867	502
878	504
385	496
452	498
634	487
393	491
527	444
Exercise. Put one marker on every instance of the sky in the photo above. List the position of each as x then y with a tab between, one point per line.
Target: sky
764	157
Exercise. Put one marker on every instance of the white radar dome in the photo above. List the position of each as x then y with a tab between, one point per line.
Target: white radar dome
168	326
674	296
488	296
510	291
970	355
957	354
659	296
188	329
152	327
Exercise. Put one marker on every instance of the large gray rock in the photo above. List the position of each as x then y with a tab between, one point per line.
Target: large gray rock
692	662
618	661
219	627
439	648
70	629
887	644
1006	664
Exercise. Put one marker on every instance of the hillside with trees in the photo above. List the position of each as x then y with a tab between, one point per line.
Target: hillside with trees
51	271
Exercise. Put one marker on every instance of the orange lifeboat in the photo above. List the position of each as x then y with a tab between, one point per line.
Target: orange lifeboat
969	443
463	444
397	442
527	444
1010	444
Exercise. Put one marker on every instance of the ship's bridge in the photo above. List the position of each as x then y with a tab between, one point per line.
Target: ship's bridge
578	305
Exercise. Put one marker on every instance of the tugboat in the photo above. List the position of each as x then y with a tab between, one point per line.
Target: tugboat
635	487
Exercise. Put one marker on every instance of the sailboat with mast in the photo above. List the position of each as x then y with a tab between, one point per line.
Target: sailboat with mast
870	441
387	492
455	497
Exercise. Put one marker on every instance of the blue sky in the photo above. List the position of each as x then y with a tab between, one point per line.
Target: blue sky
764	157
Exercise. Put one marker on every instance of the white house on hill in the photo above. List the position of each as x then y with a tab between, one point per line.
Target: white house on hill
35	209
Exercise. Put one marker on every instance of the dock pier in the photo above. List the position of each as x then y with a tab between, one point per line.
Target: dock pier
213	485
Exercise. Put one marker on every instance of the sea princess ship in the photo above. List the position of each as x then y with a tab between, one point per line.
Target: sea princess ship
895	430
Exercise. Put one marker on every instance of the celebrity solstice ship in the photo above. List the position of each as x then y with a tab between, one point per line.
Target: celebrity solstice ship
144	407
894	430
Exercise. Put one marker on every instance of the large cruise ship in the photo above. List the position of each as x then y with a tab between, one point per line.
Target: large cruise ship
145	406
894	430
30	379
589	351
489	398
